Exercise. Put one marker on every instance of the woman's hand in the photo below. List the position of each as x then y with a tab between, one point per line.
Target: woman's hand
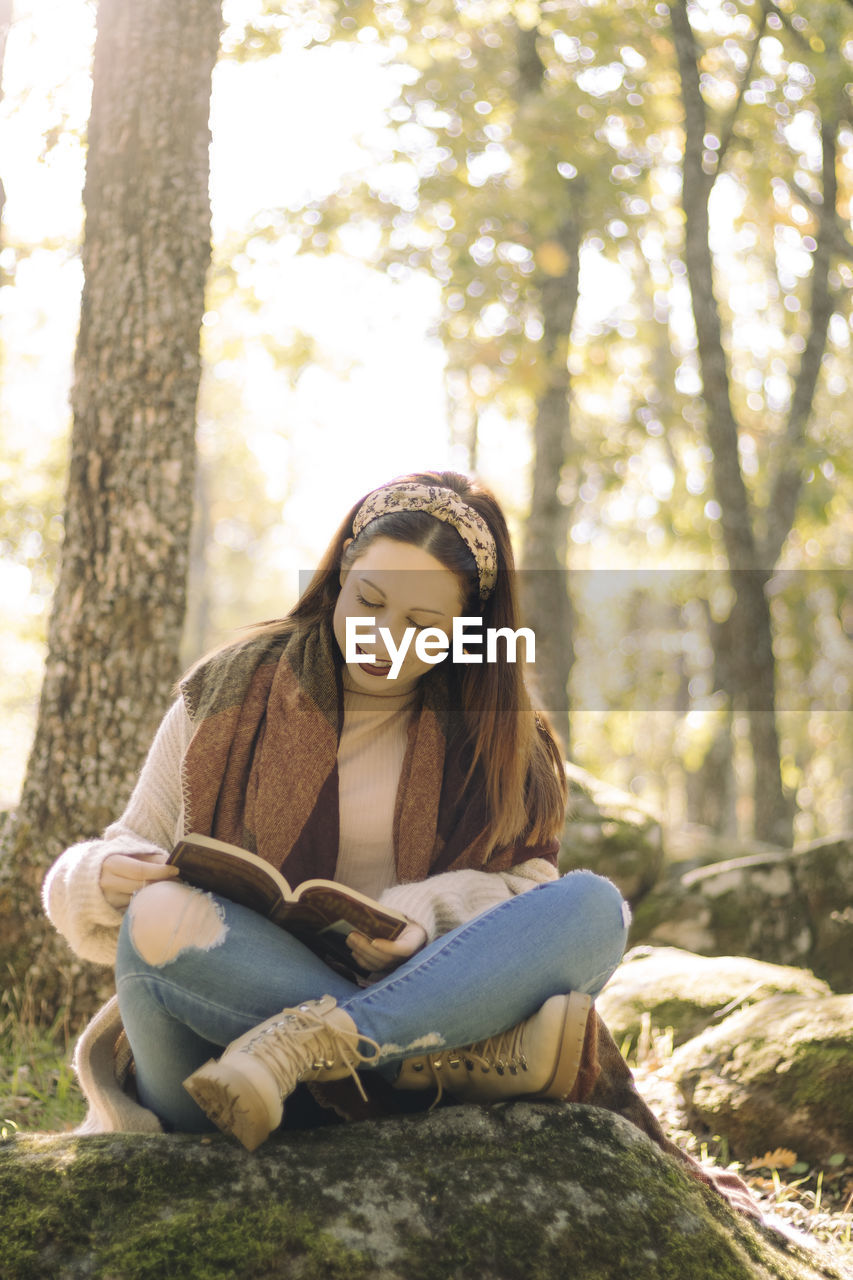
376	954
123	873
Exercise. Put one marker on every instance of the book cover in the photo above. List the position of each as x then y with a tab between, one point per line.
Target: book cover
321	913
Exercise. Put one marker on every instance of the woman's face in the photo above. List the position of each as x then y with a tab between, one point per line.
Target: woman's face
400	586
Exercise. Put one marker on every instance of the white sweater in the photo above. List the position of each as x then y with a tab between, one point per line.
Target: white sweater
371	751
154	820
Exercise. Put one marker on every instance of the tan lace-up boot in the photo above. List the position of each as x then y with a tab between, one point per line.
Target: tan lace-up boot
538	1058
242	1092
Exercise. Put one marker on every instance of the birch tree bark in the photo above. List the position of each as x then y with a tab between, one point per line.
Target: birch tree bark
118	609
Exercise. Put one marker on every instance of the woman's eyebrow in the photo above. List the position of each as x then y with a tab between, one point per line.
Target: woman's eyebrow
415	608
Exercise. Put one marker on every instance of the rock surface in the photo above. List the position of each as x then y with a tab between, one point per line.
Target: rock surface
532	1191
688	993
607	830
779	906
779	1074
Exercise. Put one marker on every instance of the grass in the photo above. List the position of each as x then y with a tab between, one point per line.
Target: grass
816	1199
38	1089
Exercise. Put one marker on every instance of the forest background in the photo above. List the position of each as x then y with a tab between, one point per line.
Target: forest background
598	252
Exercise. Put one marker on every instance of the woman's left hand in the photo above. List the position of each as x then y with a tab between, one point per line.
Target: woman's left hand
376	954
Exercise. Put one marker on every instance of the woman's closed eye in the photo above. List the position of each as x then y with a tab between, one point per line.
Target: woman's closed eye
368	604
372	604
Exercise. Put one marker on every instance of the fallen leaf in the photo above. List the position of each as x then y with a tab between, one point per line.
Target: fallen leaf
762	1184
781	1158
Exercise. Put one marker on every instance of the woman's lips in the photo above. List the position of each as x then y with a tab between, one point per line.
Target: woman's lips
375	668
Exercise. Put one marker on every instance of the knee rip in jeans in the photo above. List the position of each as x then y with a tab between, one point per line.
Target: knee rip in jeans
167	918
431	1040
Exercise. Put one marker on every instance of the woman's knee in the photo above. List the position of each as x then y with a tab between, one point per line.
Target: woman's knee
605	914
167	918
598	897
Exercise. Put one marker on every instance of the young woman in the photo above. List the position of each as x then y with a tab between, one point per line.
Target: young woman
437	790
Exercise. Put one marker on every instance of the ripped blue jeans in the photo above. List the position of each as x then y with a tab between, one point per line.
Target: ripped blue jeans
476	981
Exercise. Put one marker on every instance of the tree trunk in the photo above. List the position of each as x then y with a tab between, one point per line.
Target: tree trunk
752	666
547	604
198	614
710	789
116	621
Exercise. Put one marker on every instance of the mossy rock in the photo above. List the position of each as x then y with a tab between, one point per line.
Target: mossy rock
609	832
688	993
779	1074
784	906
526	1192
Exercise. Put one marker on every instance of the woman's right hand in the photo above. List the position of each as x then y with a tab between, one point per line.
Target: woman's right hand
123	873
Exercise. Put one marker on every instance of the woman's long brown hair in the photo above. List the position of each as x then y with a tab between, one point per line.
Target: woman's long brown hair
521	762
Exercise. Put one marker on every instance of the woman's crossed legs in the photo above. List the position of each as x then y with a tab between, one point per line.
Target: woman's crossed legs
195	971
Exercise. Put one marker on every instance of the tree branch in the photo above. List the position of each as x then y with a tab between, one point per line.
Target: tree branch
727	132
721	425
831	228
788	481
785	19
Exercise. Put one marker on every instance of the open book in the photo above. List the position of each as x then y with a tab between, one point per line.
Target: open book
320	913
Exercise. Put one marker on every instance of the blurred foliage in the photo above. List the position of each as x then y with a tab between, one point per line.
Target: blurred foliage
235	505
473	172
512	116
30	516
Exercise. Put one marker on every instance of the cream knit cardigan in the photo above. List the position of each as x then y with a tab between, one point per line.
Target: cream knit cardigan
152	822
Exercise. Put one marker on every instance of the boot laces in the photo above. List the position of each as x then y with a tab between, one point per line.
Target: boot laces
500	1053
302	1042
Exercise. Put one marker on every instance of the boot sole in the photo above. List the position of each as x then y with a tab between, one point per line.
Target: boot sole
565	1071
232	1103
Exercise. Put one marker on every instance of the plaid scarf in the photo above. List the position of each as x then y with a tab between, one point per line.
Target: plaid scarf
261	768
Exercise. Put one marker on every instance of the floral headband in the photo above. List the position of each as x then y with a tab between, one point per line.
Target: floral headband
444	504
